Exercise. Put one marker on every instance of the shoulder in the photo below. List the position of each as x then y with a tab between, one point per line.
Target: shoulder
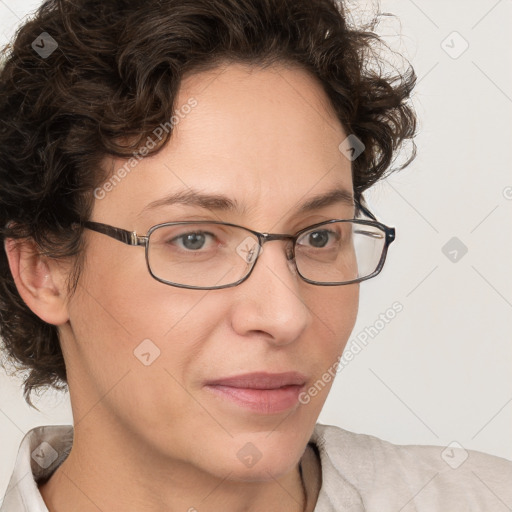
46	447
414	477
41	452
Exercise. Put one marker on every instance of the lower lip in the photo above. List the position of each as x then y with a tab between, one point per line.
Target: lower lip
265	401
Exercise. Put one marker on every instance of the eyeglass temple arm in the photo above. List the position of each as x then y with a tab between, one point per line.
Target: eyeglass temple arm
127	237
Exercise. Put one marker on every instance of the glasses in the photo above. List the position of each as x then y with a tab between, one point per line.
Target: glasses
212	255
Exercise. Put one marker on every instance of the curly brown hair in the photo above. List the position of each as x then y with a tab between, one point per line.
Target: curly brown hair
113	77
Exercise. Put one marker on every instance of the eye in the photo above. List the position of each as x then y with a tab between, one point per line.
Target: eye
193	241
318	238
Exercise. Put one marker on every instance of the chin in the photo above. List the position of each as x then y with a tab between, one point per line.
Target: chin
265	457
253	457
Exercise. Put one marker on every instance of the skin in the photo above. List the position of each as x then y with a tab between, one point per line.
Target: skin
151	438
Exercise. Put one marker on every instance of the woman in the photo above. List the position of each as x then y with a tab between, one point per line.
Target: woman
198	363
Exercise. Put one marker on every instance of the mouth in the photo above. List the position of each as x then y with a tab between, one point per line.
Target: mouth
263	393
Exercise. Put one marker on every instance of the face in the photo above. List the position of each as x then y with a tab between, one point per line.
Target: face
267	140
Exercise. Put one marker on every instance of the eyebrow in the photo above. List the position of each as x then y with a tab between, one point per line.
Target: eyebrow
219	202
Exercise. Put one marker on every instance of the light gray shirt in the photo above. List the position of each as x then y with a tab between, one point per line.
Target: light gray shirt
358	473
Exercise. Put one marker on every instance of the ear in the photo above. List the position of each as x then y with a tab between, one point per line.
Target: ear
41	281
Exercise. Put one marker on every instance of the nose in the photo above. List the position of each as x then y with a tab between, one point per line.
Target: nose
269	302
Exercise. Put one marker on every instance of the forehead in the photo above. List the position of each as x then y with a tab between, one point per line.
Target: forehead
268	138
271	114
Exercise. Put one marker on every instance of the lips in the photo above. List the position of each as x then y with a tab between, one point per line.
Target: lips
264	393
261	380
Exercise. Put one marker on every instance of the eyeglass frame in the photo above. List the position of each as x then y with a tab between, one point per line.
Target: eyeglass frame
133	239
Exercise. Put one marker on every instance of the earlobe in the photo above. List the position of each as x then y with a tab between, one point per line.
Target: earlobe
39	281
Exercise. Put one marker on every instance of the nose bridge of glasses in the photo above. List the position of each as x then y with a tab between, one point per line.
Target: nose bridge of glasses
269	237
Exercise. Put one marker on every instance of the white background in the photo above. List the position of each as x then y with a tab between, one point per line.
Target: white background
440	371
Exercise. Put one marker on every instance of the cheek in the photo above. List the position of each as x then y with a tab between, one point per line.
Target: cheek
123	320
136	345
334	312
